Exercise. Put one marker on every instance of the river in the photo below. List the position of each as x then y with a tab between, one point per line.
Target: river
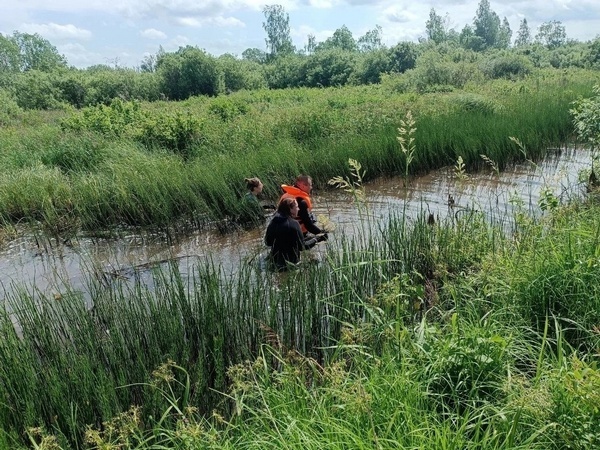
50	268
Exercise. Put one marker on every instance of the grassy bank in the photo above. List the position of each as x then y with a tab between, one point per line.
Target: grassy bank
161	163
416	336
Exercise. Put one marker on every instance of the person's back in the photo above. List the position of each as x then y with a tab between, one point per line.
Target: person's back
285	239
284	236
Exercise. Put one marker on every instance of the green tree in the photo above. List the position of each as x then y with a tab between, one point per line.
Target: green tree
35	89
255	55
523	35
552	34
470	41
370	67
277	26
240	74
403	56
311	45
504	34
594	52
341	39
188	72
10	56
331	67
435	27
285	71
37	53
486	24
371	40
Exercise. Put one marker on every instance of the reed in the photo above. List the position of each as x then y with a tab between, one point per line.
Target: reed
112	180
417	335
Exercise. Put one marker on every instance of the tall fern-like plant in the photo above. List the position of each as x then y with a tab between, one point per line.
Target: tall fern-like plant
406	140
354	186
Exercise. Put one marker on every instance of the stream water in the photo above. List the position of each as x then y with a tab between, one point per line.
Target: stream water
51	268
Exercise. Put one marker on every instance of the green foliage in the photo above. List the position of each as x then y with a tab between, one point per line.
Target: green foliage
188	72
9	109
475	103
370	67
506	66
37	90
434	69
552	34
403	56
586	118
285	72
326	68
575	403
227	109
241	74
114	119
466	370
341	39
177	132
36	53
277	27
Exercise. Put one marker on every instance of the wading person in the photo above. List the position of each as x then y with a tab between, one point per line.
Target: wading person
301	192
285	237
252	212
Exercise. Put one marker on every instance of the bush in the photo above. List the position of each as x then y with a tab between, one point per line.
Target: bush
37	90
227	109
475	103
507	66
177	132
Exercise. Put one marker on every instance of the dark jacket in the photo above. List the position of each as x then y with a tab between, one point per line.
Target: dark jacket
286	241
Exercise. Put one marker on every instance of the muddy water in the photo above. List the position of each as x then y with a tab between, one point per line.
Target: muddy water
50	268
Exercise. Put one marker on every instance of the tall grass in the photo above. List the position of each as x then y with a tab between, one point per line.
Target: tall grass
419	336
109	180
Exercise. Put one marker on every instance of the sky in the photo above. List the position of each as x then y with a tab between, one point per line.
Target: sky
123	32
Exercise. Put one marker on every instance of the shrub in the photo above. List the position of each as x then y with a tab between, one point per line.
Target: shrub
507	66
227	109
177	132
475	103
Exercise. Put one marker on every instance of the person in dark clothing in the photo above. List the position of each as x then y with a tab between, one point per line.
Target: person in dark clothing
285	238
301	192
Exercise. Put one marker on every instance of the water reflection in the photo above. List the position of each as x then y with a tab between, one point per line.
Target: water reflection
49	267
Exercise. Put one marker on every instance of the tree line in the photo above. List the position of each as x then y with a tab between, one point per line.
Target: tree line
33	75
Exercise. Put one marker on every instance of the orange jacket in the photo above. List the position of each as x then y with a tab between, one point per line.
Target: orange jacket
293	191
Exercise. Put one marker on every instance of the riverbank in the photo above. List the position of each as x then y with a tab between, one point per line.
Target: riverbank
95	169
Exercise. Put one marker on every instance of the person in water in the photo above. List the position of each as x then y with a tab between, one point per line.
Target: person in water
301	192
252	210
285	237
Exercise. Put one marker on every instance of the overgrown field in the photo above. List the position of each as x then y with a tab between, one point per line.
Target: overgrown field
411	336
163	163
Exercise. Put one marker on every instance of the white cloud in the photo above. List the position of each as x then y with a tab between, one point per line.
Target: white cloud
55	31
152	33
228	22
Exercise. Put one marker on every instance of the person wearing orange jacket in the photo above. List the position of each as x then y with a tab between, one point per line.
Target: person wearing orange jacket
301	192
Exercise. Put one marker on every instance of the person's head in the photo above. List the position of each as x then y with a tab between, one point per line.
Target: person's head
288	207
254	185
304	183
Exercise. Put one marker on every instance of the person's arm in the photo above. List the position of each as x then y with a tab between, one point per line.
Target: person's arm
306	218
